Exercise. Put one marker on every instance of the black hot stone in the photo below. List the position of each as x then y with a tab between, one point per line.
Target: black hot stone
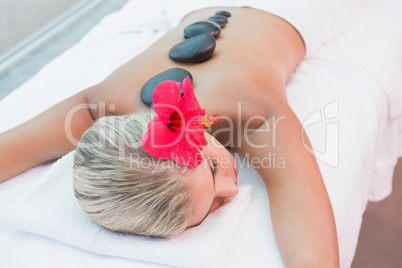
195	49
219	17
214	23
223	13
175	74
221	23
201	27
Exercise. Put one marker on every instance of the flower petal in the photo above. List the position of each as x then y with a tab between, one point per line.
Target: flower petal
164	144
166	99
189	104
197	139
176	133
195	133
159	140
186	154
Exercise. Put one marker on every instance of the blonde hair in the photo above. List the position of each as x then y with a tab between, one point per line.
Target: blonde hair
122	188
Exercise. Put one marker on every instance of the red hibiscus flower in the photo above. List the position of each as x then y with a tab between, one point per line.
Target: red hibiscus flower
177	132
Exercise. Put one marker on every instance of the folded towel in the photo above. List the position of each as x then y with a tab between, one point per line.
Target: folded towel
370	45
50	209
373	48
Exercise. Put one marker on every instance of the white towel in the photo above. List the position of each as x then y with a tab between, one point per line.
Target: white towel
373	48
50	209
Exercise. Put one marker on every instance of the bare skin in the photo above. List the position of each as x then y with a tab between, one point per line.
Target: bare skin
251	65
213	181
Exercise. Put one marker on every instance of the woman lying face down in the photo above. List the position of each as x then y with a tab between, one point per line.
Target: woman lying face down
123	188
127	187
142	195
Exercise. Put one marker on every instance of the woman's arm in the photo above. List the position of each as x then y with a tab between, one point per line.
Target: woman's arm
301	211
44	137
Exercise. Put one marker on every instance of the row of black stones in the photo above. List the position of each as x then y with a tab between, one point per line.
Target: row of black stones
198	46
200	40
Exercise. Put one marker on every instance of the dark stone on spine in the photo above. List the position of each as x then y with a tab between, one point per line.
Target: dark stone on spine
201	27
219	17
175	74
223	13
219	22
193	50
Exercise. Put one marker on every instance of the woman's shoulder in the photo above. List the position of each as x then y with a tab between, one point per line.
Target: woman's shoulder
243	96
246	87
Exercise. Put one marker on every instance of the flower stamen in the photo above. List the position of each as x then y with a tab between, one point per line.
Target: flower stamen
208	120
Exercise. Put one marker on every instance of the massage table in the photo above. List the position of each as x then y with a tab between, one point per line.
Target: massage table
347	95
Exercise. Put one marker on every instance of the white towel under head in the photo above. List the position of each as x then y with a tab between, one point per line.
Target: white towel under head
50	209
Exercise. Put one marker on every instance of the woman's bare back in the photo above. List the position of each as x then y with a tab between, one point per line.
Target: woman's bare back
255	55
256	52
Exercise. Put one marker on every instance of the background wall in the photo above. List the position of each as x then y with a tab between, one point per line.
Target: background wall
18	67
21	18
